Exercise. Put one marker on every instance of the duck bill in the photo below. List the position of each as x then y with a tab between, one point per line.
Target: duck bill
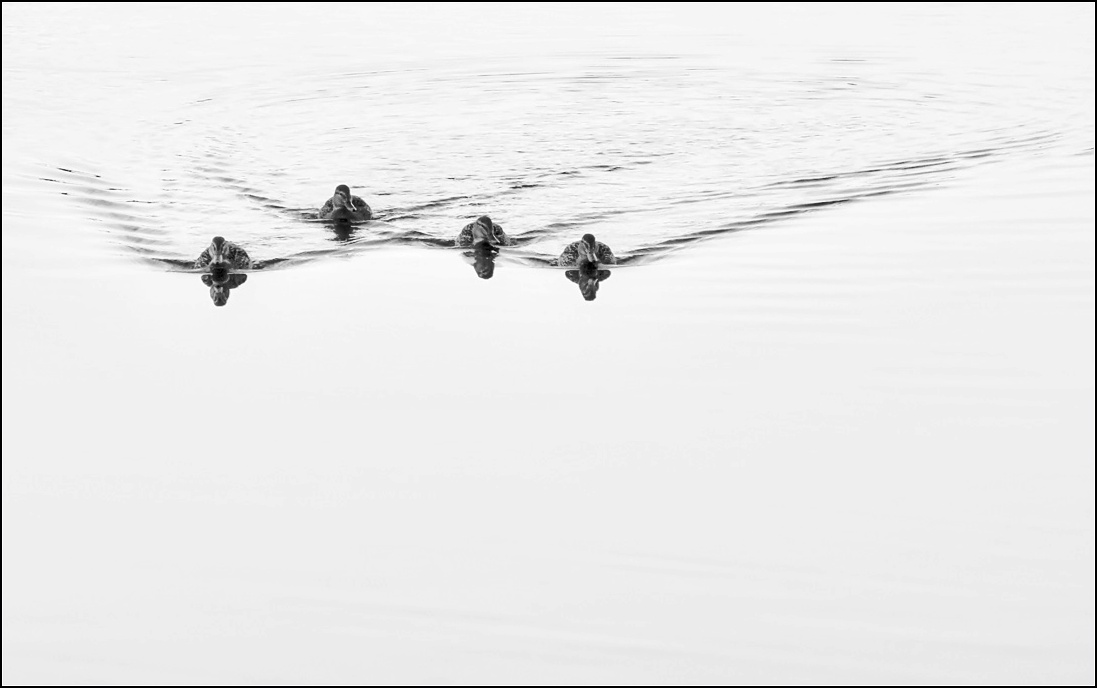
480	235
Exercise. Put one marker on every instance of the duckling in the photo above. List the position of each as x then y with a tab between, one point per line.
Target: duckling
483	231
345	206
587	250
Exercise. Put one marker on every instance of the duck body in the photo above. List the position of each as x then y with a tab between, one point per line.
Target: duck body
223	255
586	251
359	213
483	231
343	205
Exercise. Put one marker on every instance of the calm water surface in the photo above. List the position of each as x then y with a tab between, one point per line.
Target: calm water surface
831	420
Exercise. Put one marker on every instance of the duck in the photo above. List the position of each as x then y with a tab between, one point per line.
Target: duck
223	255
483	231
345	206
587	250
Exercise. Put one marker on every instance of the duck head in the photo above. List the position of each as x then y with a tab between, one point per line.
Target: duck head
483	231
343	198
217	252
588	250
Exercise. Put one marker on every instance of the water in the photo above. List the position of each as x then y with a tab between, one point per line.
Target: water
830	420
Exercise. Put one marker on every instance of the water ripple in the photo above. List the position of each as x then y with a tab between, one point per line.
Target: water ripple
652	155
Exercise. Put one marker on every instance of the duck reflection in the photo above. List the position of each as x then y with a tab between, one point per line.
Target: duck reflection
220	281
222	258
588	276
482	257
343	231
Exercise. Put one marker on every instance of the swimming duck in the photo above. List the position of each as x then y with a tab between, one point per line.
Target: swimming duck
224	255
345	206
483	231
586	250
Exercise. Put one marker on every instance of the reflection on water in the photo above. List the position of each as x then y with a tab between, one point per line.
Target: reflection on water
482	257
220	281
343	231
588	277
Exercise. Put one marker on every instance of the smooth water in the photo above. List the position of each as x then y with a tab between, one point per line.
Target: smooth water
852	444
